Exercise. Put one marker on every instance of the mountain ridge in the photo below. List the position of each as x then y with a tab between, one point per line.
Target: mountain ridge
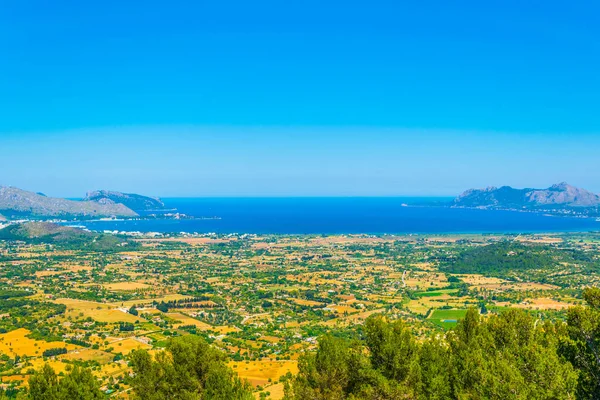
133	201
560	195
22	203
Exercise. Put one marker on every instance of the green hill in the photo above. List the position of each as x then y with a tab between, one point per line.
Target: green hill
48	233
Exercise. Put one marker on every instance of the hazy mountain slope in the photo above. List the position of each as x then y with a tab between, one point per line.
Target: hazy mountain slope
564	193
48	233
556	196
18	202
39	230
130	200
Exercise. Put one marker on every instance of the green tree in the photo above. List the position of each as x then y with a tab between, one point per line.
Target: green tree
77	384
500	357
338	370
508	357
323	375
189	368
434	372
393	348
582	347
43	384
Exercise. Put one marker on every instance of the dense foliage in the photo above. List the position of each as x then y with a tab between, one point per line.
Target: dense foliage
503	256
7	293
77	384
504	357
189	368
508	356
54	352
583	345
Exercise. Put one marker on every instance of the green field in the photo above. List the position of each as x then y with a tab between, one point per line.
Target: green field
435	293
446	318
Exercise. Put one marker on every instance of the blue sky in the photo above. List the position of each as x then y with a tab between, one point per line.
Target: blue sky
298	98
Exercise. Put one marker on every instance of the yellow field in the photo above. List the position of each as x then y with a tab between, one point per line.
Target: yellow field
111	369
41	274
64	269
485	282
270	339
15	379
87	355
187	320
165	298
309	303
417	307
520	286
57	365
258	373
542	304
480	280
16	343
126	286
540	240
275	391
344	309
97	311
126	346
192	241
427	266
352	319
224	330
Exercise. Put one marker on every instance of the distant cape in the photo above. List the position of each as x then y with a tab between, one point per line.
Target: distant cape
135	202
17	203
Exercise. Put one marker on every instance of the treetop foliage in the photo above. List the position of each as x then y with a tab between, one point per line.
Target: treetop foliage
513	355
189	368
77	384
503	256
582	347
510	356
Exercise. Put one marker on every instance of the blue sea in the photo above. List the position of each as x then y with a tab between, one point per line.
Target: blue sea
369	215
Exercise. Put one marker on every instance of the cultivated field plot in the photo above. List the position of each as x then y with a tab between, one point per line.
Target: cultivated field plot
100	312
543	304
83	354
182	319
447	318
126	346
149	300
16	343
261	373
126	286
423	281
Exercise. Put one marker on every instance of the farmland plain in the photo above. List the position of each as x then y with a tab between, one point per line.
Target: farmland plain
265	300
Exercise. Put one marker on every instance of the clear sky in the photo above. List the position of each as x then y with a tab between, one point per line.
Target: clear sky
251	98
